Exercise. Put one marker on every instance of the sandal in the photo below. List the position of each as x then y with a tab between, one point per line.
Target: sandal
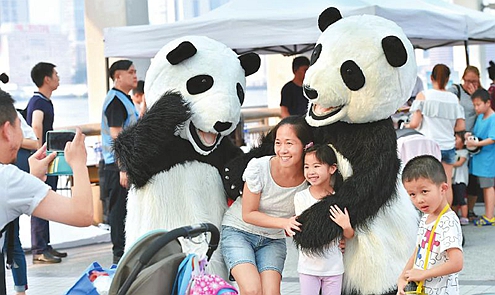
483	221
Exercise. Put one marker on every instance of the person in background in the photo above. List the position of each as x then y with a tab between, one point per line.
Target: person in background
40	116
491	89
460	178
138	98
470	83
23	193
255	226
12	245
482	163
293	101
323	272
118	112
437	114
426	183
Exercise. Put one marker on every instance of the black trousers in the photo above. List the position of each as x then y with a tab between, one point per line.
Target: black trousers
117	195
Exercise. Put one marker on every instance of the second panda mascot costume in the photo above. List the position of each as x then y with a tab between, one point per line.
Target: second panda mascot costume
362	70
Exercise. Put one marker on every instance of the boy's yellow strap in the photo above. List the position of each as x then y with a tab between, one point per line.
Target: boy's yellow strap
420	290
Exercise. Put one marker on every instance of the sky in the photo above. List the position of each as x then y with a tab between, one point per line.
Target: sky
44	12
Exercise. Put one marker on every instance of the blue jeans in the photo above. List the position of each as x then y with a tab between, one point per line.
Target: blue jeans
240	247
40	229
448	156
19	259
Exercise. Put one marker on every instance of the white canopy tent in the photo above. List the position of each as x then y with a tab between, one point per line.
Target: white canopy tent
290	26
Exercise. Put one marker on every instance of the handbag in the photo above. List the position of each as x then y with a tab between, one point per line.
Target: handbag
84	285
419	288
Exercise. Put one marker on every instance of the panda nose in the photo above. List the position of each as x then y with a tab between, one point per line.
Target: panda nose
310	92
222	126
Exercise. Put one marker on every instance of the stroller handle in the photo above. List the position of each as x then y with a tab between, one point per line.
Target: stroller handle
186	232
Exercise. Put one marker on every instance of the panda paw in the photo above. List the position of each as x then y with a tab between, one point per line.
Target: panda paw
317	230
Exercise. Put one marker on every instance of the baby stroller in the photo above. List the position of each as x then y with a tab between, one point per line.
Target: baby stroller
151	265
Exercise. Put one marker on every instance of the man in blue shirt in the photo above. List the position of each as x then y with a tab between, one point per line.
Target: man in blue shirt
118	112
40	115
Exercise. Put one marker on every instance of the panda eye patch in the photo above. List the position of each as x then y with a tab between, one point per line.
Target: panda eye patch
352	75
240	93
199	84
315	55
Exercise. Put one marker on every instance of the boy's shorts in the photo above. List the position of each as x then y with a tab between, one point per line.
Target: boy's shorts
239	247
486	182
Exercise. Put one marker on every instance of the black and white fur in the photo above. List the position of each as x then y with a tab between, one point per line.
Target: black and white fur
194	89
362	70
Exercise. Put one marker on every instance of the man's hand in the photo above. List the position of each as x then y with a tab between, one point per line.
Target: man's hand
75	150
123	179
39	161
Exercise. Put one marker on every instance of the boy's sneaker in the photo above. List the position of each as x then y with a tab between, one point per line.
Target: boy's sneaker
483	221
464	221
472	215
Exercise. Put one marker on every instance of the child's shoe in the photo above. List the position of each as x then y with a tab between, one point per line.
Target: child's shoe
483	221
464	221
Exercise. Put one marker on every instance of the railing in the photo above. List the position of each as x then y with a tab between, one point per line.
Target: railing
254	122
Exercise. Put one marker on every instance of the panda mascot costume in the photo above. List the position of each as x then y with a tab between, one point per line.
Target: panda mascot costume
194	90
362	70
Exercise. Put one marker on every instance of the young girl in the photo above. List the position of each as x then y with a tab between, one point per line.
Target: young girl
325	273
460	178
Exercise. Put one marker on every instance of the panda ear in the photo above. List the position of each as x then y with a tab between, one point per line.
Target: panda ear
182	52
395	52
250	62
328	17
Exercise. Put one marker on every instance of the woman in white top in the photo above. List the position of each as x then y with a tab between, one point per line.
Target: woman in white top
254	227
437	114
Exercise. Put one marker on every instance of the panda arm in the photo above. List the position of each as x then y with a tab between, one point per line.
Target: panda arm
233	169
140	148
372	152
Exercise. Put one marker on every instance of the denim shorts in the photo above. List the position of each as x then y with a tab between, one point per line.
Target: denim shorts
239	247
448	156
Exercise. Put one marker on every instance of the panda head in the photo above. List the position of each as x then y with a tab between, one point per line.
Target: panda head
211	78
362	70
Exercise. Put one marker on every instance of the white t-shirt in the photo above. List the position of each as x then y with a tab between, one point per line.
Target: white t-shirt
461	173
275	200
20	193
440	110
448	235
331	263
27	131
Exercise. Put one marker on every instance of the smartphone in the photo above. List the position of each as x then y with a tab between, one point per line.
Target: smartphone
56	140
55	143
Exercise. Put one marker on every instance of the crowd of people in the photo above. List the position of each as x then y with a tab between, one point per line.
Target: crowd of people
277	188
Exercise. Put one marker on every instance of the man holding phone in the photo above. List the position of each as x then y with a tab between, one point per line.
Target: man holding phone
23	193
118	112
40	115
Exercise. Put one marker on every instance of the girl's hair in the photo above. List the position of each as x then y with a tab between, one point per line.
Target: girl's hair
461	136
301	128
441	74
326	154
481	94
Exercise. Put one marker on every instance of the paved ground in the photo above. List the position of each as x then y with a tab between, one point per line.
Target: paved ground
477	277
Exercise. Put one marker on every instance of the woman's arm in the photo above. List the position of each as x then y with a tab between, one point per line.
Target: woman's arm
460	125
252	215
417	116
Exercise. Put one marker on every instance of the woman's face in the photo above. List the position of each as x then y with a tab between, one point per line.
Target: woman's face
471	80
288	147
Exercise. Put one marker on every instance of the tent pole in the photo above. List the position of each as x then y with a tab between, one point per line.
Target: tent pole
107	74
466	50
